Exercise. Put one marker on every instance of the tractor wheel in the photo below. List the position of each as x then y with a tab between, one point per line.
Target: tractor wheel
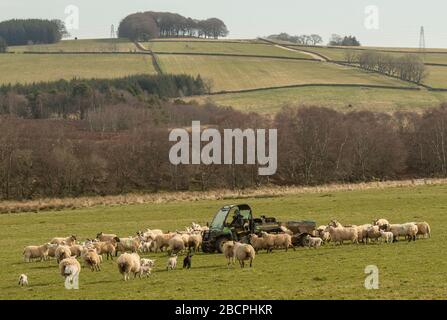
219	244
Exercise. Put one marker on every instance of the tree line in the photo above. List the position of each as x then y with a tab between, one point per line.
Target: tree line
32	31
76	98
408	67
124	146
304	39
143	26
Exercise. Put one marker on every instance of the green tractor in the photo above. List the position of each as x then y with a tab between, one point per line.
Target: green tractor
236	222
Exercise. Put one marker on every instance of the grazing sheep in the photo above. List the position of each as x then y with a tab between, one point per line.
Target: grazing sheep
408	230
258	243
162	241
386	236
105	237
340	234
129	263
228	251
23	280
36	252
92	259
243	252
172	262
62	252
69	268
374	232
69	241
382	223
194	242
313	242
108	248
76	250
127	245
423	229
176	244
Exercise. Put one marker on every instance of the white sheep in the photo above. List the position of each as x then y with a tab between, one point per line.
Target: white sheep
172	262
195	242
323	234
36	252
105	237
162	241
69	241
408	230
382	223
340	234
423	229
92	259
228	251
23	280
363	232
386	236
70	268
243	252
313	242
129	263
62	252
176	244
258	243
374	232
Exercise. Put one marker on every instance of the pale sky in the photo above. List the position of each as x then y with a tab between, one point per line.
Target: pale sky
398	25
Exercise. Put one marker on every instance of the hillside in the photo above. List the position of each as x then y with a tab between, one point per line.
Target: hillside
247	74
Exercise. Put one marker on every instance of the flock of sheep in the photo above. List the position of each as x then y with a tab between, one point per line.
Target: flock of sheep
66	250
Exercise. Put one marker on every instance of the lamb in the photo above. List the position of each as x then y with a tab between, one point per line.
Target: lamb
105	237
145	246
36	252
228	251
62	252
313	242
340	234
92	259
147	262
127	244
23	280
374	232
386	236
70	268
129	263
144	271
244	252
258	243
195	242
382	223
108	248
176	244
69	241
423	229
408	230
172	262
162	241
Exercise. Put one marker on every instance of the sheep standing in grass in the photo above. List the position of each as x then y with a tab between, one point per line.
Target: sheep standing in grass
105	237
313	242
386	236
70	268
92	259
407	230
36	252
162	241
108	248
323	234
383	224
146	267
62	252
145	246
374	233
52	250
149	234
283	241
363	232
195	242
269	240
76	250
23	280
244	252
129	263
340	234
258	243
69	241
172	263
129	244
423	229
176	244
228	251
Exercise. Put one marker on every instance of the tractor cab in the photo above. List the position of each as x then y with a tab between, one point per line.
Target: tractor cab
232	222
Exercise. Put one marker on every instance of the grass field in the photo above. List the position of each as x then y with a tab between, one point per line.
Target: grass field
28	68
406	270
437	77
229	73
90	45
221	47
342	99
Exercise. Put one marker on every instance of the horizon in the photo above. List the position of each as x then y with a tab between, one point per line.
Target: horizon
387	26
